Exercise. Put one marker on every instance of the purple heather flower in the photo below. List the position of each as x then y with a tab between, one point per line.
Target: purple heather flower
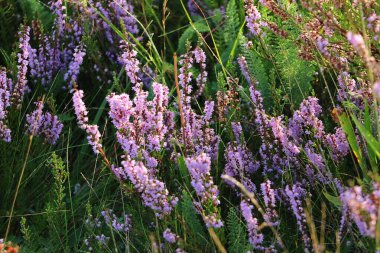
255	237
244	70
93	134
59	9
153	192
199	169
271	215
23	60
44	124
200	58
337	143
5	103
239	159
110	219
72	73
295	195
169	236
253	17
363	208
34	119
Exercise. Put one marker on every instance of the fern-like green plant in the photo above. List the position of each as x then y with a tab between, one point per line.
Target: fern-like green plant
192	220
295	73
237	233
257	70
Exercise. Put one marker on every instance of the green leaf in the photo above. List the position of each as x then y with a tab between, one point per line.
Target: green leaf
237	233
192	220
334	200
367	124
349	131
296	73
183	170
189	34
371	141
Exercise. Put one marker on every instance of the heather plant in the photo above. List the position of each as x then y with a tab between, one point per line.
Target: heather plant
187	126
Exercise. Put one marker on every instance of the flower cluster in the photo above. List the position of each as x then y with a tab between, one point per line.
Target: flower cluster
196	133
115	222
253	17
72	73
285	145
239	162
45	124
169	236
363	208
5	102
295	195
23	60
199	169
153	192
255	237
143	129
269	197
93	134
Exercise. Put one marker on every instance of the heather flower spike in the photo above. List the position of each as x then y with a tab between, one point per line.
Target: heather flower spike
93	134
199	168
44	124
6	86
23	61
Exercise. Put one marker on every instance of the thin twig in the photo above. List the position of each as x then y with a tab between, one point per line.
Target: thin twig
183	123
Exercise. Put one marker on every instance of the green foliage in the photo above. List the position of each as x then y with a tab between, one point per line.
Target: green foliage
35	9
257	69
237	232
191	218
296	73
25	230
189	35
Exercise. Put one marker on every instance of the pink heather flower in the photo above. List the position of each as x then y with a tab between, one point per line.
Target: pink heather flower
169	236
153	192
93	134
199	137
376	89
255	237
80	108
253	17
271	215
356	40
93	137
142	122
199	169
23	61
131	64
